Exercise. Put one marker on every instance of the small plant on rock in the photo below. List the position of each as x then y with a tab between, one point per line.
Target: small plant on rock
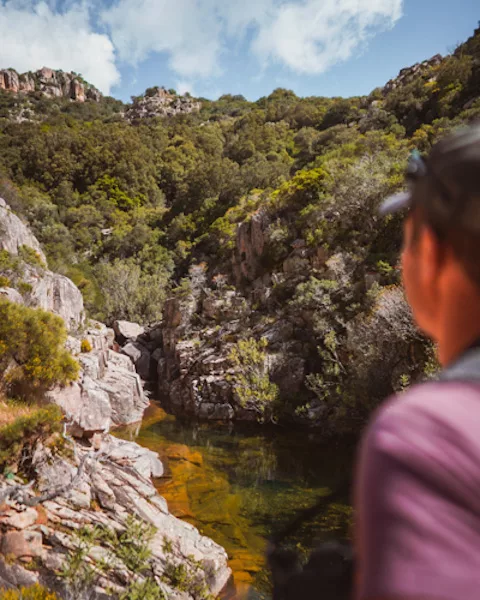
251	381
86	346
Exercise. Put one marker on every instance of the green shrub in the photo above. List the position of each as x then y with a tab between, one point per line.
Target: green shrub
24	288
24	431
251	381
32	354
9	264
36	592
86	346
4	281
30	256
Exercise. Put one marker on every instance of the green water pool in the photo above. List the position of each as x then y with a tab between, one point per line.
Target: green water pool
238	484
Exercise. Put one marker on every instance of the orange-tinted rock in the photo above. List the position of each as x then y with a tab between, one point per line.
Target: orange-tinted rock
77	91
21	544
55	84
180	452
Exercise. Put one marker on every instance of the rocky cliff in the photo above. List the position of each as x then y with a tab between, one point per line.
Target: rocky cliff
90	523
28	272
53	84
158	102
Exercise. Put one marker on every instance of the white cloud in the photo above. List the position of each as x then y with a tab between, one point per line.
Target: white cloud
34	34
188	31
182	87
312	36
309	36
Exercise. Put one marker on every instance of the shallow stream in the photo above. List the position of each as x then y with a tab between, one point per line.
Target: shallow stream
238	484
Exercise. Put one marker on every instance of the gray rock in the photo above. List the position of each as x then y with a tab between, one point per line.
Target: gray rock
124	330
249	248
141	358
126	395
121	360
120	482
86	406
81	496
14	233
133	351
57	294
144	461
102	492
20	520
109	390
15	576
161	104
73	345
12	295
94	364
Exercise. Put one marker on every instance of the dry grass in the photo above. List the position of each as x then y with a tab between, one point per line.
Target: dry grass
10	411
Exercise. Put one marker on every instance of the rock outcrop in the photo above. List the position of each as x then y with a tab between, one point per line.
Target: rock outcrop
14	233
114	487
57	294
126	331
408	74
109	391
198	333
41	287
53	84
157	102
249	248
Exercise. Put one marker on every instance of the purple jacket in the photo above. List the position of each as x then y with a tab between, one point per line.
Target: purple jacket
418	496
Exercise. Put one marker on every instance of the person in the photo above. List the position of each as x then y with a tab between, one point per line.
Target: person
417	490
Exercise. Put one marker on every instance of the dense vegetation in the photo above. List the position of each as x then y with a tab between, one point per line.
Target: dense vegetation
124	210
32	354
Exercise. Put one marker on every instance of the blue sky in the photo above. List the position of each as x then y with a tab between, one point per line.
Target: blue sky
249	47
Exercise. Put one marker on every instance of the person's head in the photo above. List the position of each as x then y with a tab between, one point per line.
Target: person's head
441	253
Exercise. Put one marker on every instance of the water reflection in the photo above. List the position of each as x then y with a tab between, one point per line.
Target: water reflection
239	484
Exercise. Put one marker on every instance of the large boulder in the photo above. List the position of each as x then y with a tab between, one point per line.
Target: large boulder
109	391
124	331
14	233
57	294
141	358
86	407
126	395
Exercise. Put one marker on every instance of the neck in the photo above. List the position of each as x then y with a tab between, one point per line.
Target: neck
461	324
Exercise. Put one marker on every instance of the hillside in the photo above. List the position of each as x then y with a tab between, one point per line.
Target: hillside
249	227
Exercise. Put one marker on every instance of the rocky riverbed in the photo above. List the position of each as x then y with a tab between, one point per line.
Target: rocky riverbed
39	543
